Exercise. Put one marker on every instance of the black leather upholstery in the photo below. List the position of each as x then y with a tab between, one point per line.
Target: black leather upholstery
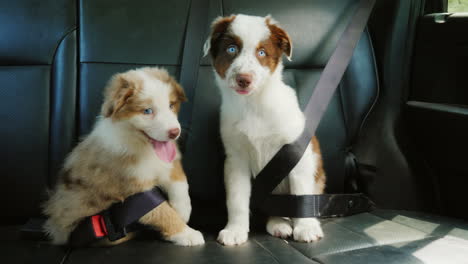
53	72
37	95
383	236
31	30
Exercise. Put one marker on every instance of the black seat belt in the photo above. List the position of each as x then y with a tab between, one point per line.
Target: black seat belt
193	47
119	219
279	167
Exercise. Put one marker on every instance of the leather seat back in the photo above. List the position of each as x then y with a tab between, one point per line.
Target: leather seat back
37	99
119	35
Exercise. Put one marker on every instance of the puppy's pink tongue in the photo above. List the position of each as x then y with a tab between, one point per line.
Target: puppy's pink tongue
166	150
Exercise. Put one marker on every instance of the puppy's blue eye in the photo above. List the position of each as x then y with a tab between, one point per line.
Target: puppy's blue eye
231	49
261	53
148	111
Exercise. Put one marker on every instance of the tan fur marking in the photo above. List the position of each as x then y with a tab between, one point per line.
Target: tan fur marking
320	177
177	96
119	96
165	219
177	173
69	181
103	173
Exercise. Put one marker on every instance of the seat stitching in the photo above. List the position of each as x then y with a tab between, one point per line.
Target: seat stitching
377	81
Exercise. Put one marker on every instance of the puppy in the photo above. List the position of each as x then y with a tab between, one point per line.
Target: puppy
259	114
130	150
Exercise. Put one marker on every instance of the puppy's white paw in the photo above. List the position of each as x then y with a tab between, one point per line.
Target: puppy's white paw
183	209
233	236
279	227
308	230
188	237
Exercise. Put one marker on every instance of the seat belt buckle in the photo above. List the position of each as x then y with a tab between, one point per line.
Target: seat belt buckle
103	227
99	226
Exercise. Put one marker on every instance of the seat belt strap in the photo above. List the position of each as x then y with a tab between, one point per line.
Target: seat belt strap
116	221
322	205
193	46
289	155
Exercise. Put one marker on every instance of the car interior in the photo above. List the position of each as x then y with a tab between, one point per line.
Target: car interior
396	128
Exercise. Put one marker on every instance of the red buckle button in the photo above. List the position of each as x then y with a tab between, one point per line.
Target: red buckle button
99	226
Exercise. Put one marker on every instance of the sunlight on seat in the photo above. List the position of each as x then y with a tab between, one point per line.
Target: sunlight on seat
445	250
386	232
425	226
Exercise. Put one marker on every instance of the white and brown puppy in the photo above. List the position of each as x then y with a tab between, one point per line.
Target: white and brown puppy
130	150
259	114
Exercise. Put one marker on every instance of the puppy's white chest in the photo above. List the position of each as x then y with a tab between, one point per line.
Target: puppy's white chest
260	140
255	127
151	168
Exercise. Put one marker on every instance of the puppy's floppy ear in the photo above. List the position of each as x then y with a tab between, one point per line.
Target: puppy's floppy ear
177	94
119	89
280	37
178	90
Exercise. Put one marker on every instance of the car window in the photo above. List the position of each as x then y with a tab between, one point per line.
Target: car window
457	6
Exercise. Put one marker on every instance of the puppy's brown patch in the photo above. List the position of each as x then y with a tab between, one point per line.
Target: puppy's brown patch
177	173
95	171
177	96
221	39
218	29
320	176
274	46
165	219
272	54
121	97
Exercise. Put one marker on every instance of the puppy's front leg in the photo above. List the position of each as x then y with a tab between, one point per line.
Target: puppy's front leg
177	191
165	219
238	185
302	182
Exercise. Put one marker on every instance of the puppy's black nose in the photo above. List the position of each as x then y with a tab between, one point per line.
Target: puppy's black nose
173	133
244	80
